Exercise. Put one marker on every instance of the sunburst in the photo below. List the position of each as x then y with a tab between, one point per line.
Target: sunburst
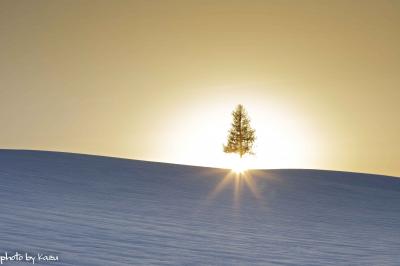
240	177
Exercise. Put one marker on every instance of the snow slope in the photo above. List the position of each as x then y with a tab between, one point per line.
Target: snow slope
92	210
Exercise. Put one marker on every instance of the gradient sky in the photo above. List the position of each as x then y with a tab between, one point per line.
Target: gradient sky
157	80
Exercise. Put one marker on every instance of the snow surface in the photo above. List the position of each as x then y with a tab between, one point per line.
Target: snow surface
92	210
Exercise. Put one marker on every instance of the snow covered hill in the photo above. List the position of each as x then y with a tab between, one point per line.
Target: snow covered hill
92	210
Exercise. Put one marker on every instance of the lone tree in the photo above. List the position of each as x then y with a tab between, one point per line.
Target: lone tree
241	136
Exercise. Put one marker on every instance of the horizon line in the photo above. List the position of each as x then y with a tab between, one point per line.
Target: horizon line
190	165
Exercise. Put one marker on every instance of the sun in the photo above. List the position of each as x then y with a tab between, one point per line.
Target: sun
237	165
239	168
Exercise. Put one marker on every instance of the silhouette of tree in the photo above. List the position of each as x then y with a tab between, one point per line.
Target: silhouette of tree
241	136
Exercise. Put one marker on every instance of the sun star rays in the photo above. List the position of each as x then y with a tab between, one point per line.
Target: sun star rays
240	179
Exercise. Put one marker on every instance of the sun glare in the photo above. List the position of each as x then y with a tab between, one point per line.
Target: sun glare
239	169
240	178
284	138
239	165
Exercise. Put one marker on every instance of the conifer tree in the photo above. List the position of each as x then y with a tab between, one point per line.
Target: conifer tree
241	136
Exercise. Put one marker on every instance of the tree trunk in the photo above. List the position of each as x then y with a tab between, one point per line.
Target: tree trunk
240	134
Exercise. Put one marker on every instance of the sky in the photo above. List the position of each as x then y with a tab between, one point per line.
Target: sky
158	80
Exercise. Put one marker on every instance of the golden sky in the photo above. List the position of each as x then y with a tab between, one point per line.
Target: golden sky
157	80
